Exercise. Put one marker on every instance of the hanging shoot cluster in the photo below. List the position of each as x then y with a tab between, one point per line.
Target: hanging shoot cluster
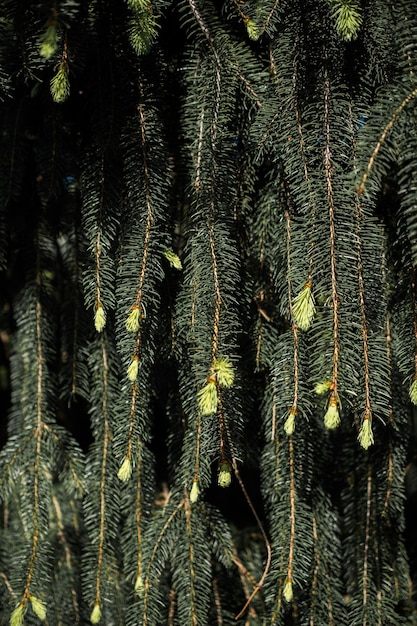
208	311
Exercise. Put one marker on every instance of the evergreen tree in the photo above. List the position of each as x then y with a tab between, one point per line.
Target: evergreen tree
208	300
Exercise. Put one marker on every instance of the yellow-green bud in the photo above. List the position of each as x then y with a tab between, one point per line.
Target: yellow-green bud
303	308
99	318
252	29
413	391
225	475
132	322
132	370
207	398
18	616
195	492
39	607
139	586
287	592
139	5
332	417
289	425
174	259
323	387
143	29
348	18
366	436
95	616
125	470
60	85
224	372
48	42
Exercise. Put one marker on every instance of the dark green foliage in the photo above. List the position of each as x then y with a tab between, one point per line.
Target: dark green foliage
208	311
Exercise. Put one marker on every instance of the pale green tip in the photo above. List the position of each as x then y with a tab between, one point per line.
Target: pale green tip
287	592
132	322
39	607
366	436
173	259
332	417
99	318
303	307
18	616
195	492
225	475
139	5
132	370
95	616
348	18
413	391
207	398
252	29
323	387
139	586
125	470
289	425
48	42
224	372
60	85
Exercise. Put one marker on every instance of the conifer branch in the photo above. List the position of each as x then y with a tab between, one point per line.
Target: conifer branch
218	603
414	301
149	215
294	408
103	476
75	337
77	479
269	16
139	509
97	243
221	426
132	419
390	471
274	419
259	343
156	546
193	595
197	180
367	539
292	497
218	298
203	27
314	584
171	612
258	522
15	457
37	432
307	178
394	117
329	183
364	323
197	449
68	557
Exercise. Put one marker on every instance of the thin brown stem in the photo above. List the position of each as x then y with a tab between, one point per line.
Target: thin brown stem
294	327
269	16
258	522
139	513
218	299
37	433
366	546
188	513
217	603
105	443
335	298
